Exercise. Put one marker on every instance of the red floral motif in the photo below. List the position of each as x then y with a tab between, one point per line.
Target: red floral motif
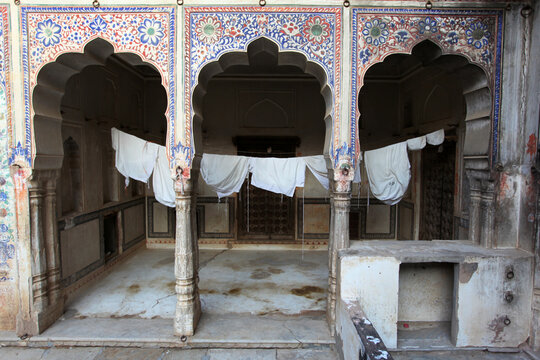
262	19
233	31
290	28
317	30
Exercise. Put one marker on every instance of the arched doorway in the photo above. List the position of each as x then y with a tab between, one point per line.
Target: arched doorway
259	105
313	32
263	103
90	219
408	96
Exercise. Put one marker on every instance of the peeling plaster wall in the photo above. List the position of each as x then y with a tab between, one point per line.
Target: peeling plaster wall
515	186
532	123
369	273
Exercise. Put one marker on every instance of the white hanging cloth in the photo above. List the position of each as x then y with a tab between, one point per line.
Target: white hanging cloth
436	137
162	181
279	175
225	174
388	171
135	158
417	143
317	166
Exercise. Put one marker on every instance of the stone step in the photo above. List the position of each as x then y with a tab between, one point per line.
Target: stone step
214	331
118	353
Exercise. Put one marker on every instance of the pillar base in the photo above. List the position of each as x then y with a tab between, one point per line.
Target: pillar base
38	322
187	318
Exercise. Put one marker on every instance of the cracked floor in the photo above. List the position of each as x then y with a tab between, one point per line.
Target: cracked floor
231	281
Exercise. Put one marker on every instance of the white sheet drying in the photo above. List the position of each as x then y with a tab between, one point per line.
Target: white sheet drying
281	176
317	166
135	158
225	174
162	181
436	137
388	171
417	143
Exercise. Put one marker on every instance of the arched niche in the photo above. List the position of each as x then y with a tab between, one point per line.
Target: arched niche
48	94
266	54
407	95
314	33
51	55
474	35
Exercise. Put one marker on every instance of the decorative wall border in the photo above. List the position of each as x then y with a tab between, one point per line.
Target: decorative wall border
314	32
7	207
48	32
474	34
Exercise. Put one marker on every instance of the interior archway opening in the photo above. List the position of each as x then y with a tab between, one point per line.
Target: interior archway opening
407	96
264	103
101	220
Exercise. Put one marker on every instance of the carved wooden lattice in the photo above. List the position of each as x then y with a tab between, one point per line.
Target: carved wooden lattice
270	215
438	192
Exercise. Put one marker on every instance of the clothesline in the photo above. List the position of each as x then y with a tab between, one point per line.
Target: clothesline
388	168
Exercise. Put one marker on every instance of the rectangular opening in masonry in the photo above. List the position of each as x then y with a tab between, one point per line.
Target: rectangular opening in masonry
425	304
110	235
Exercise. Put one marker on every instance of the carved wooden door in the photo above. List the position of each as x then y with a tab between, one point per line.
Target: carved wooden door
438	173
264	215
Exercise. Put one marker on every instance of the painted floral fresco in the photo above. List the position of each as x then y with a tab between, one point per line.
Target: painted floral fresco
7	206
313	32
475	34
49	32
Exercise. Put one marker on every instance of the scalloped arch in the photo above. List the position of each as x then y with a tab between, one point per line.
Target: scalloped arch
289	58
49	91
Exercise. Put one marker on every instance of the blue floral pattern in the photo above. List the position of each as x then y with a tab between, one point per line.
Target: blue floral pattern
98	25
478	35
375	32
402	35
428	25
48	33
364	55
452	38
151	32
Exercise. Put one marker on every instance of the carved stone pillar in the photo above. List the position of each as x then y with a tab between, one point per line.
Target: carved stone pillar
40	300
188	306
340	206
50	232
474	210
46	292
340	203
488	213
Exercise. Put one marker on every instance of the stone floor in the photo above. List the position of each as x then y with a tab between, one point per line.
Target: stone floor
250	299
231	281
116	353
100	353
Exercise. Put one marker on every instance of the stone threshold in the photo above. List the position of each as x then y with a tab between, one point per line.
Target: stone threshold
214	331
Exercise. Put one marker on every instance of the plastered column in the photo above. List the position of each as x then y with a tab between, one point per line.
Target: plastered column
38	253
188	307
50	232
488	213
474	210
